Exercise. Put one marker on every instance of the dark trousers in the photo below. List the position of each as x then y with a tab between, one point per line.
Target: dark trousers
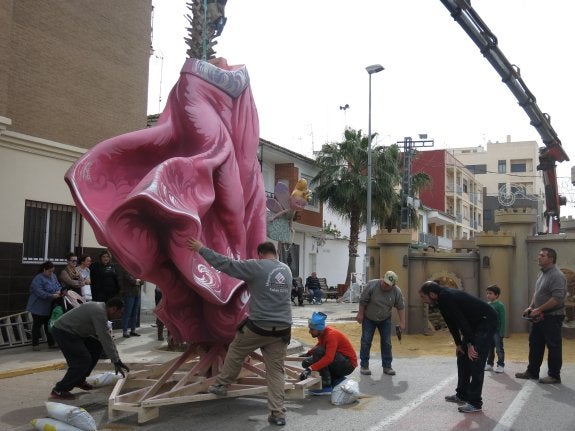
37	323
340	367
297	292
470	373
81	355
547	332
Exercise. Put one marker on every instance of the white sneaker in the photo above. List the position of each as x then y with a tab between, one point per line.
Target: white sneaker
489	368
499	369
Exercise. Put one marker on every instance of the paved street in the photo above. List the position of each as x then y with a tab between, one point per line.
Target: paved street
413	399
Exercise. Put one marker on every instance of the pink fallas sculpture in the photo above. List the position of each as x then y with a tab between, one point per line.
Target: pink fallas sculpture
195	174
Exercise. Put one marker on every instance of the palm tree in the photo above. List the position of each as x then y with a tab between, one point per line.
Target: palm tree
341	183
419	181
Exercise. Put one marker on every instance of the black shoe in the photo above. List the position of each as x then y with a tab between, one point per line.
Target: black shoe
134	334
454	399
126	335
526	375
276	420
85	386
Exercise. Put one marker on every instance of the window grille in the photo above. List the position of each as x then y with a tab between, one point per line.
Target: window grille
50	231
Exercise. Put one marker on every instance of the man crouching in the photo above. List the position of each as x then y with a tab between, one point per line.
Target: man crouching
333	355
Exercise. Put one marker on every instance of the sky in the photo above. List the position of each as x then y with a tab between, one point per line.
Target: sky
306	59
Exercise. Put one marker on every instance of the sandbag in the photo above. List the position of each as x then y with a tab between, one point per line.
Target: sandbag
71	415
47	424
346	392
103	379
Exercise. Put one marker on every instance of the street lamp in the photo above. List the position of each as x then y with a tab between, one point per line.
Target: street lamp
374	68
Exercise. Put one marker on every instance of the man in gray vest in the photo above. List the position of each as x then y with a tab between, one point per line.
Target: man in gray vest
268	328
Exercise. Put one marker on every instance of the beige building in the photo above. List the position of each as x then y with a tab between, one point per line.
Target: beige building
508	171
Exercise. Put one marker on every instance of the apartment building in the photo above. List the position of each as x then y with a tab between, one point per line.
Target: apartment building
453	203
72	74
508	172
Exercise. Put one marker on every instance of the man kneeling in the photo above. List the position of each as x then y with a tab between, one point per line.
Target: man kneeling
333	355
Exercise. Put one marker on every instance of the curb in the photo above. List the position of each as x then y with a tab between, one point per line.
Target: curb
32	370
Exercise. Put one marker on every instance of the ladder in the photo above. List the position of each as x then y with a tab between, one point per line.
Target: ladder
16	330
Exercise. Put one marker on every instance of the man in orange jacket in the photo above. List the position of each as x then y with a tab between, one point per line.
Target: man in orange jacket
333	355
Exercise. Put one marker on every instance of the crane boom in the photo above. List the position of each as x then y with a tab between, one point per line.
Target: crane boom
553	151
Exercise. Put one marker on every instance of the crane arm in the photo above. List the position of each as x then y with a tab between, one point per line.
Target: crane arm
553	151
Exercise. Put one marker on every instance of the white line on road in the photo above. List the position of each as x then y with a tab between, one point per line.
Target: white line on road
508	418
412	405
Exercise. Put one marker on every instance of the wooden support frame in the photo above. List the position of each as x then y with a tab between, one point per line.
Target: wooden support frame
186	378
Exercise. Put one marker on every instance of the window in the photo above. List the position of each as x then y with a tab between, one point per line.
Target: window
50	231
477	169
518	167
465	185
502	166
518	189
487	215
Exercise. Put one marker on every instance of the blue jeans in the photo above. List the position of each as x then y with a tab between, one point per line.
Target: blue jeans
130	315
367	330
314	295
497	347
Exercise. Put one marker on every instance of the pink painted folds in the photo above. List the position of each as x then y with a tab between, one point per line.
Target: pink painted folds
194	174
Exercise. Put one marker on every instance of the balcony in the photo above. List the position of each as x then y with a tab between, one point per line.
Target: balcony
437	242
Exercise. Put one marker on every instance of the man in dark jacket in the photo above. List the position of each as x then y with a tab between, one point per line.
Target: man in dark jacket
472	323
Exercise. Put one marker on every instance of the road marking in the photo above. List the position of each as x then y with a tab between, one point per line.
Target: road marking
412	405
508	418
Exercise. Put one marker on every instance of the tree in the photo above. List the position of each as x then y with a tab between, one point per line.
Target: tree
341	183
419	181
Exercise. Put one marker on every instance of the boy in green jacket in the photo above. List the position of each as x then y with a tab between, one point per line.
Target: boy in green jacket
493	293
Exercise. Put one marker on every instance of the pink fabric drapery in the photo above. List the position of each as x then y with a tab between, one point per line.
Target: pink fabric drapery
194	174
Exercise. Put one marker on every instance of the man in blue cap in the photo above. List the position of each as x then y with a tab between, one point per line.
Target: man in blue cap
333	355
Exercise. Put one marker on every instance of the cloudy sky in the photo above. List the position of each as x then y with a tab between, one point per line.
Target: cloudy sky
308	58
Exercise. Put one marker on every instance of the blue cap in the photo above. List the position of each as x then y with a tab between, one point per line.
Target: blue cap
317	321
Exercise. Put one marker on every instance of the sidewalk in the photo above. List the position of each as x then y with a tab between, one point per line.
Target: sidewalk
146	349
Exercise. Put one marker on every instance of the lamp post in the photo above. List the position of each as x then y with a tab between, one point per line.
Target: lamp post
374	68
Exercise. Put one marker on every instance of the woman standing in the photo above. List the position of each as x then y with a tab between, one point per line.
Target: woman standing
43	290
104	278
70	277
84	271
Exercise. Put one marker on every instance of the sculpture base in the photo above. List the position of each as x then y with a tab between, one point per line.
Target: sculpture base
185	379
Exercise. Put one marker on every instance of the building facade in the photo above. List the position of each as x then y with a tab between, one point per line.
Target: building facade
508	172
454	200
72	75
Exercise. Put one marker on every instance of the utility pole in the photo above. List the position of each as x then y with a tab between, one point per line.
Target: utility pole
408	151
